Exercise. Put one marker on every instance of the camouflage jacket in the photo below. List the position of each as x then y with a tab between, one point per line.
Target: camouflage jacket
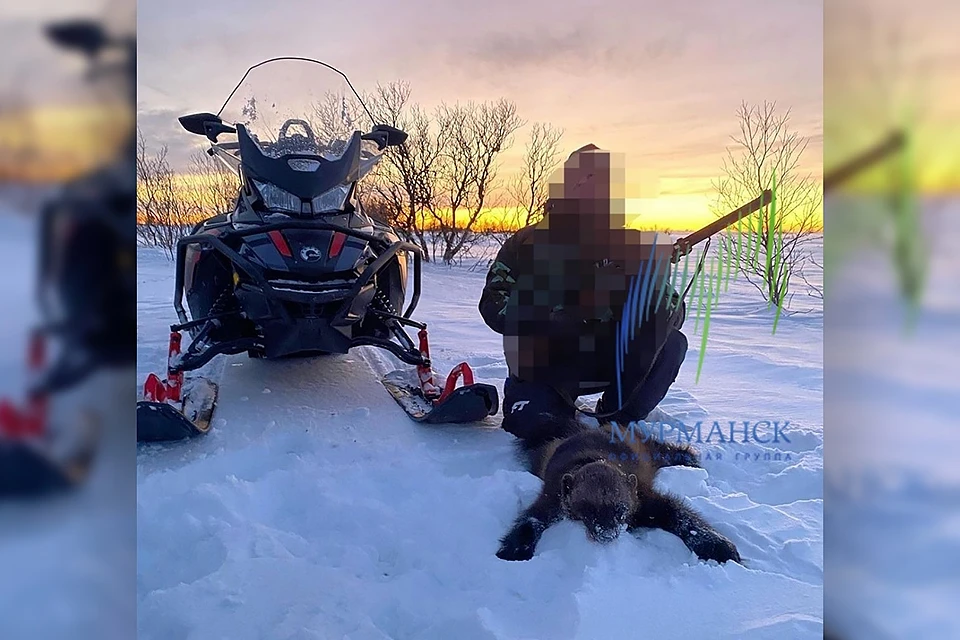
530	285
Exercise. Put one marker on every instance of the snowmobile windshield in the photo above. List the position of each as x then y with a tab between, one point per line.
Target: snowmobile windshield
299	126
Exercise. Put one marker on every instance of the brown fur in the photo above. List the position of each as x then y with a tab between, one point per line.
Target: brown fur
605	479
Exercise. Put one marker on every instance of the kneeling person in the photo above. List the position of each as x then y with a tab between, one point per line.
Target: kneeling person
555	292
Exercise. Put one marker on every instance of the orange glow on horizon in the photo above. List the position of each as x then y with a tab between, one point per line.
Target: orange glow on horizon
666	213
58	142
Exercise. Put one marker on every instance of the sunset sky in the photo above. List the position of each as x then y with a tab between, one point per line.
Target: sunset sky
54	124
885	56
658	81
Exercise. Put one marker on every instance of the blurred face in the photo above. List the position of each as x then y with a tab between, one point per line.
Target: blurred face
587	176
587	193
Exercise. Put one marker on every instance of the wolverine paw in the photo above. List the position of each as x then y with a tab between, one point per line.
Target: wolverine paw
520	543
713	546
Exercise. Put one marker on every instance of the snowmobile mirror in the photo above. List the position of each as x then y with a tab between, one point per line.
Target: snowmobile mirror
386	136
394	136
85	36
377	136
205	124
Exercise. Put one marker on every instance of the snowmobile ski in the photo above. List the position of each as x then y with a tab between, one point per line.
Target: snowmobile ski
424	401
33	461
172	409
470	403
26	471
163	422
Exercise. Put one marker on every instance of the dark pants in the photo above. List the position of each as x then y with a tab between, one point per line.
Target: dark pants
530	407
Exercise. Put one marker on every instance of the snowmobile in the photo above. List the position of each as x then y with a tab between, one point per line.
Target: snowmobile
86	293
297	267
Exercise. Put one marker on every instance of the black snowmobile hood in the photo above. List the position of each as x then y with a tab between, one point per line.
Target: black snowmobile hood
303	184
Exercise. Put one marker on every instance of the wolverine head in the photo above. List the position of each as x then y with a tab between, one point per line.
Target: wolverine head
600	496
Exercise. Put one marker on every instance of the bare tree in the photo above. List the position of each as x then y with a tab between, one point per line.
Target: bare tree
468	173
405	186
170	203
769	247
815	289
162	213
212	187
439	187
436	186
530	189
335	117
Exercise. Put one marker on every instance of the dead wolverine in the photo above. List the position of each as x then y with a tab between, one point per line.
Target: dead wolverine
604	479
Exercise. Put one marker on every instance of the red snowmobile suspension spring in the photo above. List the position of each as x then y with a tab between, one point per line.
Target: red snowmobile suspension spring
174	379
157	390
31	420
428	384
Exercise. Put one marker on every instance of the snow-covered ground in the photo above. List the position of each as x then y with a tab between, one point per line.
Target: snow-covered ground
891	406
316	509
67	565
289	521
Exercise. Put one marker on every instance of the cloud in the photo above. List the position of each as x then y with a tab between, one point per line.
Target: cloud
656	79
160	128
33	70
580	48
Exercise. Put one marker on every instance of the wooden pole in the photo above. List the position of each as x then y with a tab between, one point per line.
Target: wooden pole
684	245
893	143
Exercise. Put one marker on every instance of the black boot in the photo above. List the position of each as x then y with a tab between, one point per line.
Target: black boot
534	411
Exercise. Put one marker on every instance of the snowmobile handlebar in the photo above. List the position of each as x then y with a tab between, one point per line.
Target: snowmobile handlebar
388	251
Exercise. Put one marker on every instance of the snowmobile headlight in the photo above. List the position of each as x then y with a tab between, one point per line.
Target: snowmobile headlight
276	198
332	200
